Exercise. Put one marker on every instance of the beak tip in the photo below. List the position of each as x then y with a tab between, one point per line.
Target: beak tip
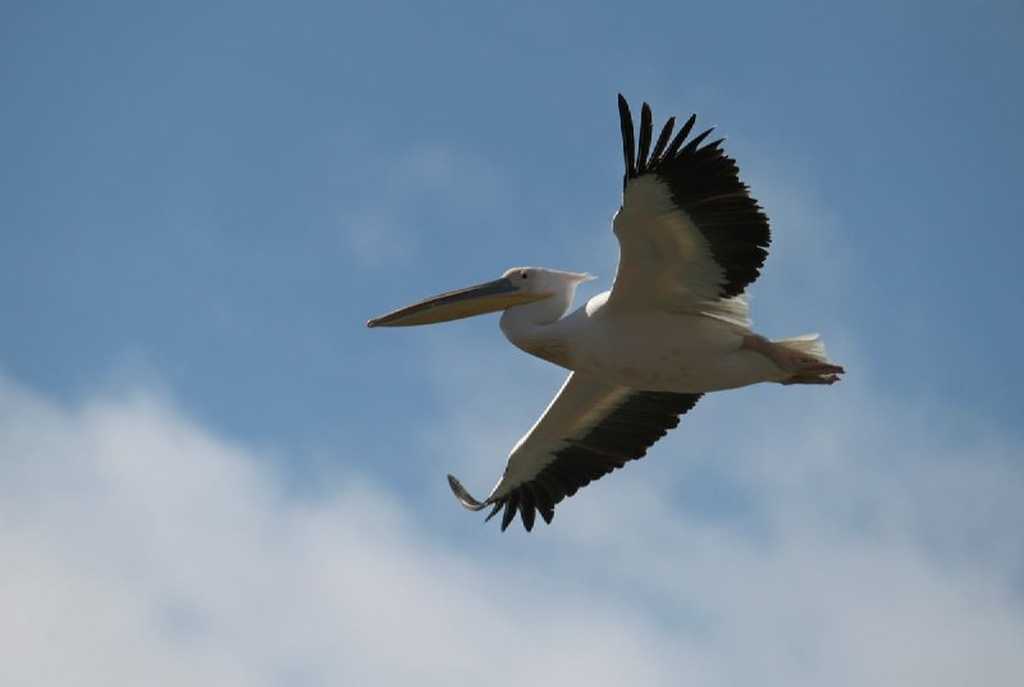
371	323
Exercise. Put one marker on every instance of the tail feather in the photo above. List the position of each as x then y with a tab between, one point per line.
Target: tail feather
808	344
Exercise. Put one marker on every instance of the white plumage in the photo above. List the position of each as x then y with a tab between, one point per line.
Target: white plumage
674	326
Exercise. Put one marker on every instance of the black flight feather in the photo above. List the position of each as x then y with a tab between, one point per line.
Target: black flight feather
628	144
645	138
704	183
625	434
659	147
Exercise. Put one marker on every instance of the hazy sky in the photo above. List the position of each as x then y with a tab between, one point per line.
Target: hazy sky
213	473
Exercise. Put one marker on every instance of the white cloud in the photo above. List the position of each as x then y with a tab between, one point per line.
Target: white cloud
140	548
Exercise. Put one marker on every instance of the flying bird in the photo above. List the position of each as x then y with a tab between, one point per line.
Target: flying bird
674	326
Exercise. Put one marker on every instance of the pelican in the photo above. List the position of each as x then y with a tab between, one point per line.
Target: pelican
674	326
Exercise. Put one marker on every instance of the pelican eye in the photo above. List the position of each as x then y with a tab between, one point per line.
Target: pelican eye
523	275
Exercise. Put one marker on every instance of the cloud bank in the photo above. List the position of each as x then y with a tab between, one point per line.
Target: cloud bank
141	548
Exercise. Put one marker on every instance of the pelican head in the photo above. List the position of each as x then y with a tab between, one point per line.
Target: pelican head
517	286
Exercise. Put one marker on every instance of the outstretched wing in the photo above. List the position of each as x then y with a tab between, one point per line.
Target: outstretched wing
588	430
689	232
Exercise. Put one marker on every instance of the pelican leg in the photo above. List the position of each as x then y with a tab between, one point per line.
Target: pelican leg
811	379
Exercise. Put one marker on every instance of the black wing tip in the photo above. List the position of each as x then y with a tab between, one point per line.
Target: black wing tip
494	511
659	146
527	519
516	502
644	144
714	145
691	147
628	139
511	507
637	152
704	182
625	114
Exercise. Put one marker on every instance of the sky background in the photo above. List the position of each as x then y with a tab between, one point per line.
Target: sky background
211	472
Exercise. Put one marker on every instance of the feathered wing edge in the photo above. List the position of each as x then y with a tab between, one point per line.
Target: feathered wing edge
705	184
463	496
636	159
623	435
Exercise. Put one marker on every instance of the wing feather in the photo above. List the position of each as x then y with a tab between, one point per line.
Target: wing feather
689	231
628	144
645	138
590	429
659	147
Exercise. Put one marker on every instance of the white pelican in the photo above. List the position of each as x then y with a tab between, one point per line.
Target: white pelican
674	326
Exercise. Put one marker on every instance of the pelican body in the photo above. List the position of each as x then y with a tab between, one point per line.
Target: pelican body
652	350
674	325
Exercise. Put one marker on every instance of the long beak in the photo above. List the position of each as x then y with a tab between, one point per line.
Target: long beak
454	305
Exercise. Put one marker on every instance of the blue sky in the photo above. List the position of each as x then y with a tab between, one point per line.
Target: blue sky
202	203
